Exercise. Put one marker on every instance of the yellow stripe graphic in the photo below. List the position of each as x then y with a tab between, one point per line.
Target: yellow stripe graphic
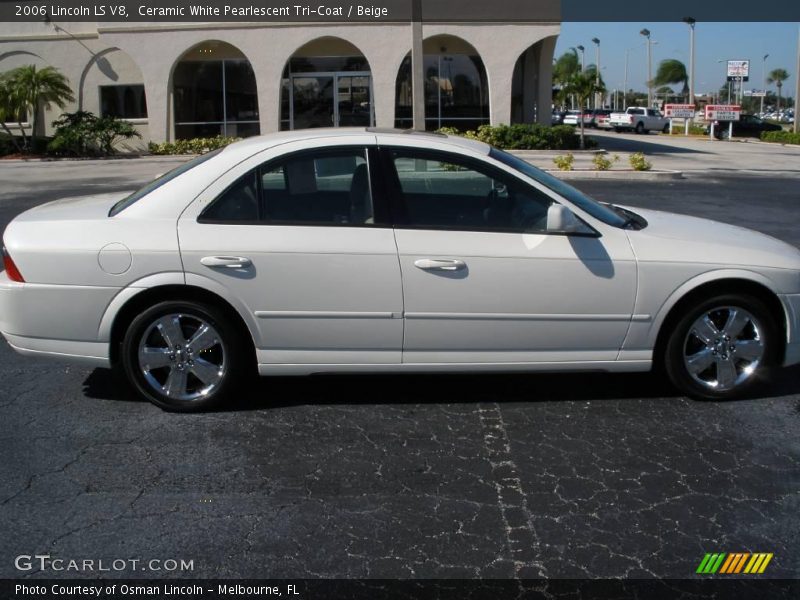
766	562
741	562
757	558
727	563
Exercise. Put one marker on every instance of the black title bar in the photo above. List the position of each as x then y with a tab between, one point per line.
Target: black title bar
389	11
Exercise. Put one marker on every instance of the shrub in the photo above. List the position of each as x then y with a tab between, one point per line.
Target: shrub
524	137
193	146
83	134
781	137
639	162
602	163
564	163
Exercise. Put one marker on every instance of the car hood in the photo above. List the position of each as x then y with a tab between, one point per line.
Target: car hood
73	209
671	237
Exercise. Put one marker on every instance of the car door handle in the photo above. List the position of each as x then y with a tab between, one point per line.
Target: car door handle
231	262
440	264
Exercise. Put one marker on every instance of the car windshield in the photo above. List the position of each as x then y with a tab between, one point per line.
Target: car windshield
598	211
158	182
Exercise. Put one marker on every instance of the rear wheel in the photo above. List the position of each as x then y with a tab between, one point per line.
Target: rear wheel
183	356
721	347
639	127
666	128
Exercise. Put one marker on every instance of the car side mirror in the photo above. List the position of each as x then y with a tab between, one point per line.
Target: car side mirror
563	220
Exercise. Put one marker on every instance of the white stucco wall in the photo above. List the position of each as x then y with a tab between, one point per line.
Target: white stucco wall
148	53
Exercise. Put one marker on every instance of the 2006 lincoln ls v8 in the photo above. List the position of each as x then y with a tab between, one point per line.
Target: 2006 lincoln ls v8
369	250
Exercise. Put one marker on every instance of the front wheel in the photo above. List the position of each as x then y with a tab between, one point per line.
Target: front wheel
721	347
183	356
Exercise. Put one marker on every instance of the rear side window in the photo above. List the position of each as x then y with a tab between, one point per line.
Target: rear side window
317	188
157	183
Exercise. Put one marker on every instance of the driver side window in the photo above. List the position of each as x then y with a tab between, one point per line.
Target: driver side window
441	191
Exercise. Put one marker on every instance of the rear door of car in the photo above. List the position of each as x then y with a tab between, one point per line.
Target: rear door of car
299	240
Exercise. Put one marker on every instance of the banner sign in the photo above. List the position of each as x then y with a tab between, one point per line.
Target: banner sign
723	112
679	111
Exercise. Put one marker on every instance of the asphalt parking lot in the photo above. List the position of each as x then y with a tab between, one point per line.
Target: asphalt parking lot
412	477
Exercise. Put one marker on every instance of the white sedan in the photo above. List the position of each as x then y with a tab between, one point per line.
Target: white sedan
379	251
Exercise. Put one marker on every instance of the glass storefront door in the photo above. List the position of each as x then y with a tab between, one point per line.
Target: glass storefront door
339	99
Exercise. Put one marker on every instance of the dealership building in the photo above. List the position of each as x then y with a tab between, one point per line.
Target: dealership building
184	80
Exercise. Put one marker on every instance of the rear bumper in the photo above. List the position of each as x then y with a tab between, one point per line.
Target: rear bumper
58	321
88	353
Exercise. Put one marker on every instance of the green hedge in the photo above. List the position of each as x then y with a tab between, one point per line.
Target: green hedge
193	146
525	137
781	137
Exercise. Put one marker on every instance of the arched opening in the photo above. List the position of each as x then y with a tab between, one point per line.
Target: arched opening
456	87
214	92
526	100
112	86
327	83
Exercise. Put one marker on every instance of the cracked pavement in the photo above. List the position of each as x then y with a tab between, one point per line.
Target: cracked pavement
493	476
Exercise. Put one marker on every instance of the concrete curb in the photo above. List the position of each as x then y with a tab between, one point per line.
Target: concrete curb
619	175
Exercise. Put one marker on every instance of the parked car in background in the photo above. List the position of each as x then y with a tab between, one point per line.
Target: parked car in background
746	126
558	117
640	120
602	118
573	117
367	251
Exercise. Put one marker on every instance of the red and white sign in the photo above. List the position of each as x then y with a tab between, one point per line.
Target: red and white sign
679	111
723	112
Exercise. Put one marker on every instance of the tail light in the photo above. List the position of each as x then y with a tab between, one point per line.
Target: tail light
11	268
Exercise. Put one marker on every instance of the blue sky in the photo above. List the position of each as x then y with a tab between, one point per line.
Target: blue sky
713	42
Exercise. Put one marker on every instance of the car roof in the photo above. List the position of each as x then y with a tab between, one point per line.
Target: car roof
252	145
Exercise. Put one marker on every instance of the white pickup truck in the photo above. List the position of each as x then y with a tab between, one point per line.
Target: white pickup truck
640	120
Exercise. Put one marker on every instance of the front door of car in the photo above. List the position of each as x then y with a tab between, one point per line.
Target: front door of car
301	246
484	280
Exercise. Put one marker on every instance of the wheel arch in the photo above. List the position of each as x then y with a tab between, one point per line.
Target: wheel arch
128	306
705	286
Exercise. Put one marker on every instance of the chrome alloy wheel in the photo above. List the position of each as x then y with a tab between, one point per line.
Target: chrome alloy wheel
723	348
182	357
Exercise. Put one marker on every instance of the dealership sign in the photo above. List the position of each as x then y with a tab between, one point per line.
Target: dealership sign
723	112
679	111
738	70
755	93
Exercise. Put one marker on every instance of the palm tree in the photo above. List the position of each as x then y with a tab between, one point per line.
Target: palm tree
671	71
564	68
583	85
38	89
778	76
9	108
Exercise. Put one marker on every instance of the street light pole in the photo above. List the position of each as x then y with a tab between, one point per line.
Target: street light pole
583	58
763	80
596	42
691	22
646	33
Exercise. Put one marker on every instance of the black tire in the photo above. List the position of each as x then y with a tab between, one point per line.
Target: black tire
228	357
666	128
618	129
639	128
683	341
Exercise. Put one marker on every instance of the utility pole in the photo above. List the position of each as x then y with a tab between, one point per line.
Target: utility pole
646	33
417	67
